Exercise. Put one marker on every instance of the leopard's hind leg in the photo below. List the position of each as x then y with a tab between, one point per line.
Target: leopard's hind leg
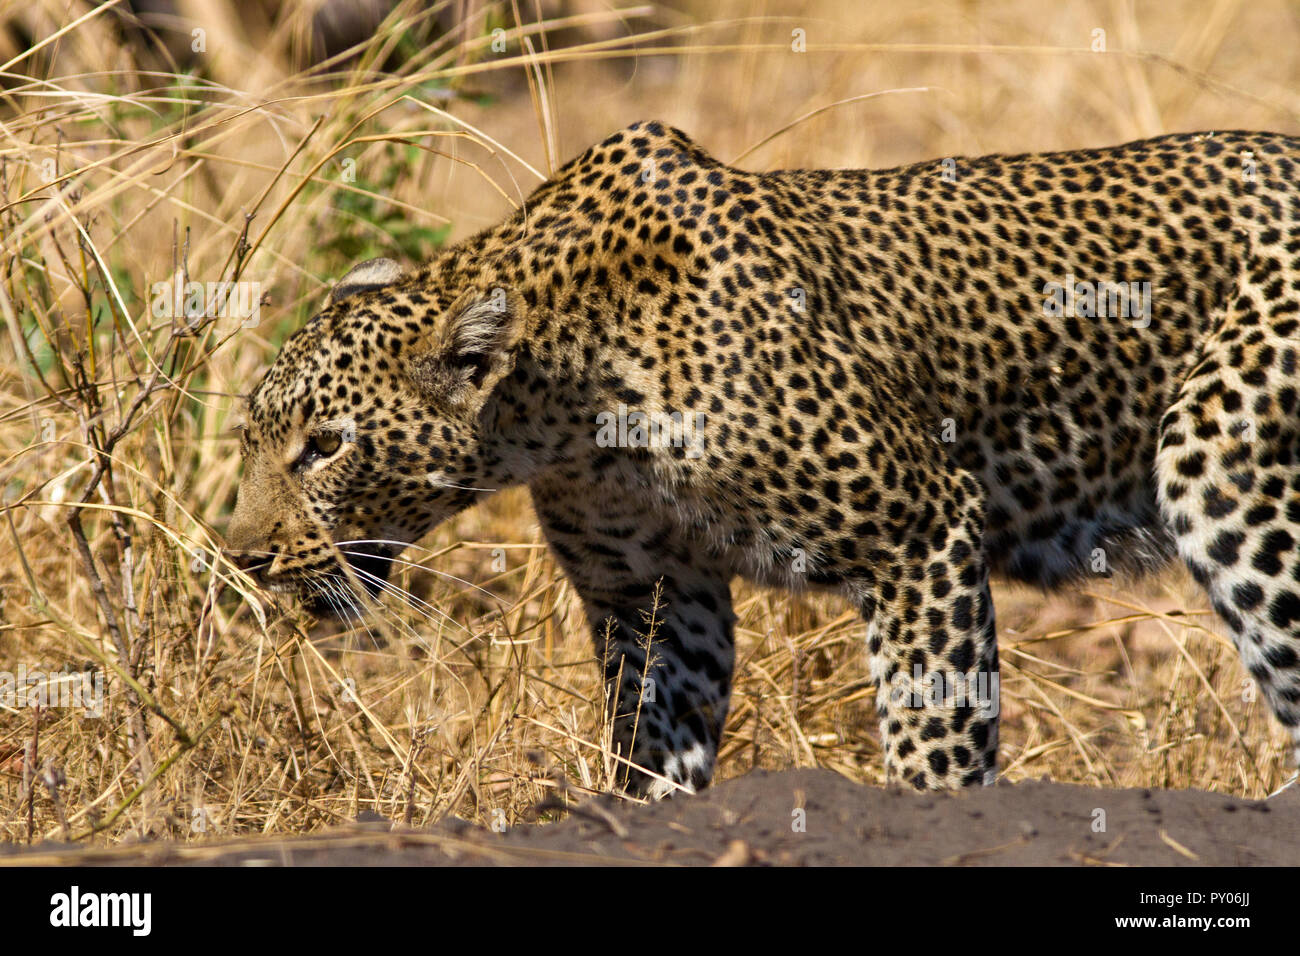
1228	473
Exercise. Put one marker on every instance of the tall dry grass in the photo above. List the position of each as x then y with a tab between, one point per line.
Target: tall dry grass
126	162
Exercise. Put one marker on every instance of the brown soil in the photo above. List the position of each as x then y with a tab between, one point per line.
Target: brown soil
753	820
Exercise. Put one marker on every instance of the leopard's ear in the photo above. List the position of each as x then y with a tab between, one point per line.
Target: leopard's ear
471	347
371	274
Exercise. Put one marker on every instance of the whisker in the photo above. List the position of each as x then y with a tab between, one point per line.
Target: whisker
340	545
455	487
415	635
412	601
420	639
318	588
446	574
343	600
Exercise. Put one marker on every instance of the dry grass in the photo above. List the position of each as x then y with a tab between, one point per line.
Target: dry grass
228	713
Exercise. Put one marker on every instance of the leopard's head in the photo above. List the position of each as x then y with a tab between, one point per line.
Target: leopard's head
378	419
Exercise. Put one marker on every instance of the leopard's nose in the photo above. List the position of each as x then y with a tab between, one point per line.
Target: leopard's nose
250	562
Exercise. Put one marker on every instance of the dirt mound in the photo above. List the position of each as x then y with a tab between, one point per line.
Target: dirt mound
801	817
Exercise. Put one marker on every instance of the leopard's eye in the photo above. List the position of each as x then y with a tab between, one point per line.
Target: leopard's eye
319	446
326	443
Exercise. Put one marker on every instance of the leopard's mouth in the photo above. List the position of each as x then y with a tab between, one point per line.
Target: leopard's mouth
371	567
333	593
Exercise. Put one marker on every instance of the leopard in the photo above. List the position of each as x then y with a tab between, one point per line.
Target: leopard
891	384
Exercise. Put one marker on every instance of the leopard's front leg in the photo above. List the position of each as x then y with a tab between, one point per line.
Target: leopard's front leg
662	622
668	657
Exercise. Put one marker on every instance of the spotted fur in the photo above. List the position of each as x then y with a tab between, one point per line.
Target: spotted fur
892	405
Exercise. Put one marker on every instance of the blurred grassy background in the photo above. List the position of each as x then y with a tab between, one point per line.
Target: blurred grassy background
279	143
